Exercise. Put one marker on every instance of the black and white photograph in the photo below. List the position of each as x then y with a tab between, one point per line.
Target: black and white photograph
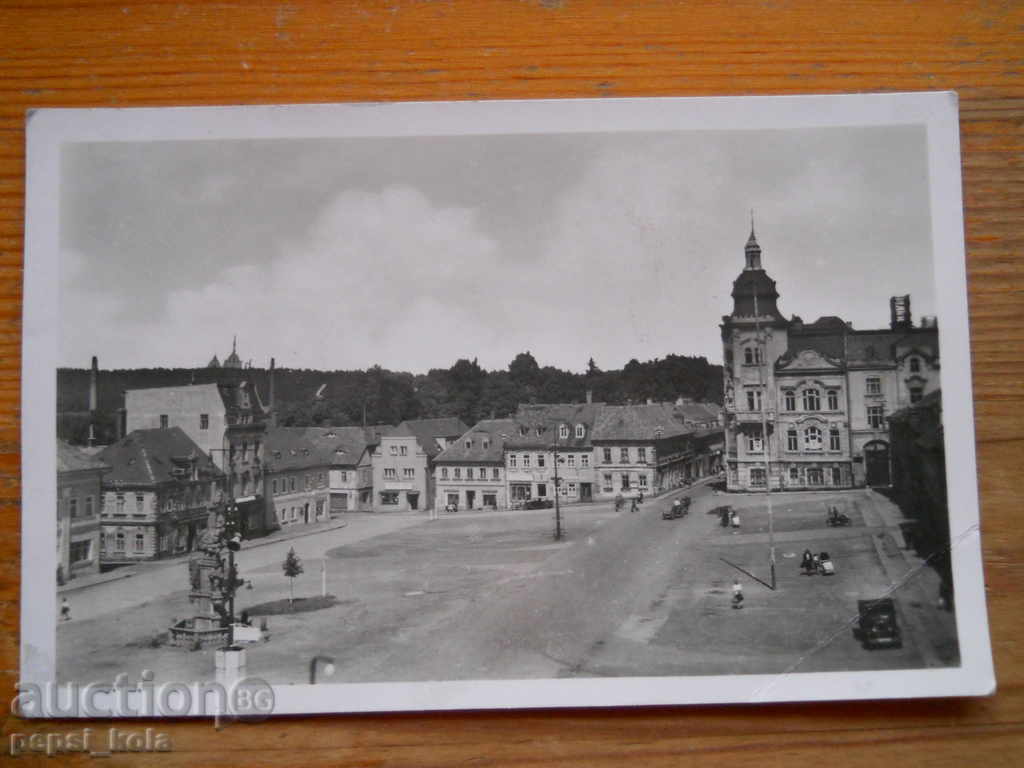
507	404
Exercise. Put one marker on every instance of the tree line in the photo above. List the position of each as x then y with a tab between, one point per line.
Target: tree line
307	397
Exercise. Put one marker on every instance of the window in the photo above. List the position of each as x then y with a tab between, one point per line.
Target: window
140	502
495	474
469	473
794	475
812	400
403	450
791	440
570	459
120	503
119	542
815	476
487	443
73	508
409	472
607	455
623	455
88	506
542	490
390	474
163	421
580	431
245	451
81	551
812	439
482	473
563	431
540	459
837	476
204	421
833	400
753	399
916	393
273	486
624	478
512	460
833	439
569	489
585	460
876	416
444	473
394	450
755	444
308	481
789	400
915	365
458	473
643	482
607	478
469	444
758	479
389	498
291	483
526	461
344	475
748	355
140	542
641	455
873	385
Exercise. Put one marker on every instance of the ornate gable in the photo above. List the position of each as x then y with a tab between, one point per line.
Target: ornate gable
807	360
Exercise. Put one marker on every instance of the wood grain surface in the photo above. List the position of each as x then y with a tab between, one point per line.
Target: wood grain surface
100	53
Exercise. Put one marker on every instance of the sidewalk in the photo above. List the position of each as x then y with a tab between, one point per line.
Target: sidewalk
127	571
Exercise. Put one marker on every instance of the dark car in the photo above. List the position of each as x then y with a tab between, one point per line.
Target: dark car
539	504
673	511
877	626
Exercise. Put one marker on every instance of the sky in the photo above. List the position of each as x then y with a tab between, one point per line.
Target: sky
410	253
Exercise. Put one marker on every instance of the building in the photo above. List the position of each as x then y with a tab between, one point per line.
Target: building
157	495
311	473
403	462
470	472
806	403
79	494
227	422
654	447
545	434
399	465
919	482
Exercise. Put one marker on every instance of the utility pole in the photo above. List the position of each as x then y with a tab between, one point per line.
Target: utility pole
558	510
762	354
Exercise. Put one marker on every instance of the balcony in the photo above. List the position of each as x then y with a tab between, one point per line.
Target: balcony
753	417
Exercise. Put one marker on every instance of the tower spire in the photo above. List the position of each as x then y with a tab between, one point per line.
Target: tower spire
752	249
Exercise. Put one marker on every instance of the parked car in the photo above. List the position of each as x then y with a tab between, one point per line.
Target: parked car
877	626
539	504
678	508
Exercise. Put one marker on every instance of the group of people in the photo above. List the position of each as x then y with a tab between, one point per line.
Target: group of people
634	503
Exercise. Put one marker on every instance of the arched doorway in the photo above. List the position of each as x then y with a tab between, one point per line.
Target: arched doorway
876	462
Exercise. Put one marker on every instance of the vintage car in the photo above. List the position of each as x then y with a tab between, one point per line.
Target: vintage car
877	626
539	504
674	510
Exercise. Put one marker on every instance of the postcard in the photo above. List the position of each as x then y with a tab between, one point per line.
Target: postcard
471	405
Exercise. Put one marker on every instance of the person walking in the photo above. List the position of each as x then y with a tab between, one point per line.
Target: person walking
632	505
65	609
737	594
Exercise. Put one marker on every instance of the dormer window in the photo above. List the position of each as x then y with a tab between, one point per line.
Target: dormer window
540	431
915	365
487	444
469	444
523	431
580	431
563	431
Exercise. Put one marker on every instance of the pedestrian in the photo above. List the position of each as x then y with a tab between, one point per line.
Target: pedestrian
735	519
632	505
640	499
65	609
807	562
618	502
737	594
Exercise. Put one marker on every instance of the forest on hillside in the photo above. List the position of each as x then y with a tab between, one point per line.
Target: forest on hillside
379	396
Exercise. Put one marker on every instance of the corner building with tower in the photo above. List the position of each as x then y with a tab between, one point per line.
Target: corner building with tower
807	404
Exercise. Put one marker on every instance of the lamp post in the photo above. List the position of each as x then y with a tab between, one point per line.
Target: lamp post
761	350
230	538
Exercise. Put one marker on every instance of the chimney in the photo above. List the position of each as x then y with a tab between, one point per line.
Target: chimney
271	405
899	309
590	396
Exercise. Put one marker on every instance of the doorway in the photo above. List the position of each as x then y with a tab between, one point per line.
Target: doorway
470	499
414	500
586	492
876	462
305	511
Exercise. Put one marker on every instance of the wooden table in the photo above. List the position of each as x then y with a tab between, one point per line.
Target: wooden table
95	53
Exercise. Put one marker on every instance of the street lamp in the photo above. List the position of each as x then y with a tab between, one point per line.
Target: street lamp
230	538
761	352
558	510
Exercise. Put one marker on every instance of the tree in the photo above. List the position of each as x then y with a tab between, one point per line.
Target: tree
592	369
524	369
292	567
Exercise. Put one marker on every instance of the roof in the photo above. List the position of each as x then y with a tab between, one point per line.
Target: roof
866	348
151	456
301	447
428	430
643	422
537	425
481	444
72	459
